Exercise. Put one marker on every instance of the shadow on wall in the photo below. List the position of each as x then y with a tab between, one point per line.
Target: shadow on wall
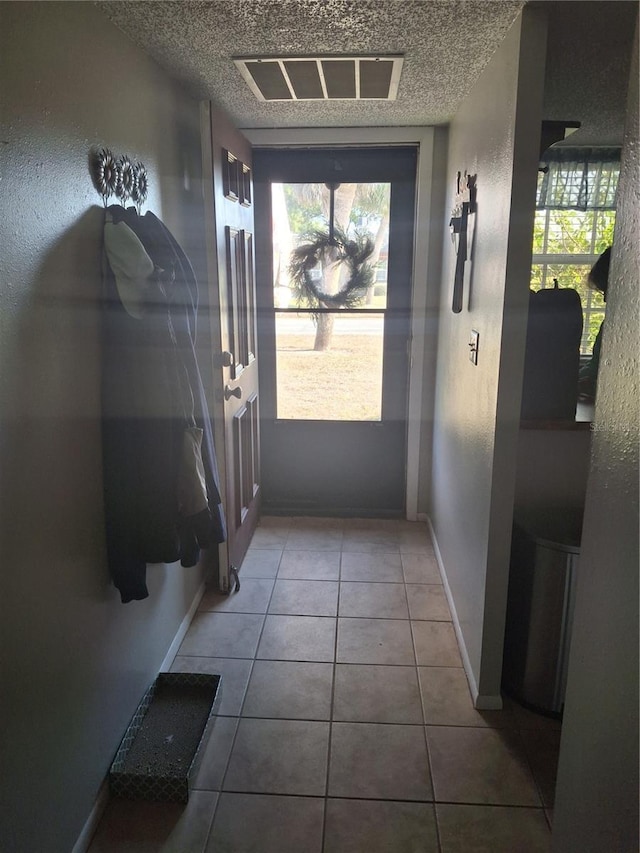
52	477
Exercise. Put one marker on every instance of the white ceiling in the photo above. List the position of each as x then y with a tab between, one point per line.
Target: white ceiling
446	44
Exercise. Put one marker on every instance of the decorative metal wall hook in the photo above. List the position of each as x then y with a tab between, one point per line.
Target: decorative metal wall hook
119	176
141	188
104	172
126	178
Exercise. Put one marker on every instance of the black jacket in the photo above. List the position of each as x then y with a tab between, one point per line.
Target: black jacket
151	388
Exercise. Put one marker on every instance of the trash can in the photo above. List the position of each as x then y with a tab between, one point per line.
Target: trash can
544	560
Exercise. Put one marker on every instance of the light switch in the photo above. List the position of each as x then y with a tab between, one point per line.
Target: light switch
473	346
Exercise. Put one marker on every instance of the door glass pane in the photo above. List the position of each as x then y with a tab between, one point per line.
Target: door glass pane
301	216
342	383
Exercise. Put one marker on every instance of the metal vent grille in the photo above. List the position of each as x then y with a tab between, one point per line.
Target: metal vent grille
322	78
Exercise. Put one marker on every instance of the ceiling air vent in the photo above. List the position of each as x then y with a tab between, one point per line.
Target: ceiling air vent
323	78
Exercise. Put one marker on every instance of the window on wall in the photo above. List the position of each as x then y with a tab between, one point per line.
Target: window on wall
575	218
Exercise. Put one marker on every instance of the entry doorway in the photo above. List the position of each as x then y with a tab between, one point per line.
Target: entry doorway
334	357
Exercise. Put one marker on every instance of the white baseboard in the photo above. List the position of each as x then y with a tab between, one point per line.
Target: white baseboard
182	630
480	702
91	823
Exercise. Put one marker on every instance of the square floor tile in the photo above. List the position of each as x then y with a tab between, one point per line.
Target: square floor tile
474	765
371	541
289	690
215	755
414	538
380	567
143	827
436	644
310	565
420	568
383	762
447	700
373	600
235	677
492	829
298	638
316	539
376	694
428	601
250	823
305	598
543	748
252	597
383	641
279	757
380	826
267	537
223	635
260	563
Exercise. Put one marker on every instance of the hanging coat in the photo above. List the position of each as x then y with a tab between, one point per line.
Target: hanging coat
157	436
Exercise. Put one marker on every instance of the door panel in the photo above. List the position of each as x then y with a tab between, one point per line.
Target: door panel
333	423
234	224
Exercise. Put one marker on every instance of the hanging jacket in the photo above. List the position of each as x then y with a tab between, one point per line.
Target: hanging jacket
153	406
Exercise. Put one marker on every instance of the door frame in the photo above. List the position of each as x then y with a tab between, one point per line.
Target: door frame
428	241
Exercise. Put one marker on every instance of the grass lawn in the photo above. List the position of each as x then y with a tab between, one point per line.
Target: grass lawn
343	383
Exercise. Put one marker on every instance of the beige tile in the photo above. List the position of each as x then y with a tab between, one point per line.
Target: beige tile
447	701
260	563
436	644
252	597
420	568
373	600
314	539
305	598
269	537
133	826
414	538
492	829
225	635
542	748
251	823
298	638
313	524
289	690
376	694
379	826
215	755
235	677
428	601
371	541
310	565
383	762
380	566
381	641
279	757
474	765
275	522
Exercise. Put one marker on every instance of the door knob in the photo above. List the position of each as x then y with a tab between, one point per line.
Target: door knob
226	358
230	392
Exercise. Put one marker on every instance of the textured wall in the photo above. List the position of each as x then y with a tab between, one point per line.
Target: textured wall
75	660
596	805
476	408
588	58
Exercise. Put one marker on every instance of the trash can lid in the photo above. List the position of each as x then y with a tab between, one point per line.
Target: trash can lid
553	527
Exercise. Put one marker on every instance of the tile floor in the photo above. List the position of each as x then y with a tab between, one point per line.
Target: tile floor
346	724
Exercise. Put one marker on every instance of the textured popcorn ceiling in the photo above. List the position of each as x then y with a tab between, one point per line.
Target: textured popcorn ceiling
446	44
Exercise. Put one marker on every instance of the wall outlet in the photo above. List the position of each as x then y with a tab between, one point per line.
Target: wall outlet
473	346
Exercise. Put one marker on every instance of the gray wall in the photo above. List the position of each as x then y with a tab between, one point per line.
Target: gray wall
494	135
596	805
588	57
75	660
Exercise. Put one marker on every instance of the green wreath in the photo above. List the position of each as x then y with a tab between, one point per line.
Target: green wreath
313	250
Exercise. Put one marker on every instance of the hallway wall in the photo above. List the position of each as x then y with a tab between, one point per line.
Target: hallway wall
75	660
596	805
495	135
